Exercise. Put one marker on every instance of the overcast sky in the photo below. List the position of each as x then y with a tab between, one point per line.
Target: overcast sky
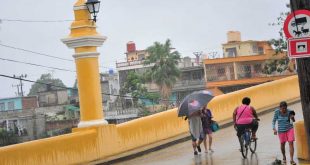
192	25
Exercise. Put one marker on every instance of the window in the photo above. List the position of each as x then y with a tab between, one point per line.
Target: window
257	49
11	105
221	71
246	70
2	106
12	125
141	57
197	75
258	68
254	48
260	50
231	52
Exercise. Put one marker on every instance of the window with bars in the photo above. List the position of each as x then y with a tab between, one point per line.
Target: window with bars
11	105
231	52
221	72
2	106
197	75
258	68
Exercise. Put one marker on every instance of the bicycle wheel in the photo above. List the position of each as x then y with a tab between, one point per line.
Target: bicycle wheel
243	147
253	144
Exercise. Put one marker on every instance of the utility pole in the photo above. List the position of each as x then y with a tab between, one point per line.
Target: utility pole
213	55
303	70
197	55
17	86
21	82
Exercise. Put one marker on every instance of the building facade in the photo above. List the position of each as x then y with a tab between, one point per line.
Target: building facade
54	97
18	103
243	65
109	89
192	73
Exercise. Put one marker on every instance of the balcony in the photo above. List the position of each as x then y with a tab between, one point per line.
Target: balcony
181	85
121	113
128	63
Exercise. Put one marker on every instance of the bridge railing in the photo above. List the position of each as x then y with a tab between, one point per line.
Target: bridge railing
95	143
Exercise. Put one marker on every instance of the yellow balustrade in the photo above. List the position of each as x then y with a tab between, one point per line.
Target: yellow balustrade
101	142
301	141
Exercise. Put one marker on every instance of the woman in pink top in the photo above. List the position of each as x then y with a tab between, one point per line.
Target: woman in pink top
243	118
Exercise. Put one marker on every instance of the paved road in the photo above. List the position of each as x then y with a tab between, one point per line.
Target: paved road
225	146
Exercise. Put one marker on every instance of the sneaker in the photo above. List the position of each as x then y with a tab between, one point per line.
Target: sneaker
293	163
195	153
211	150
198	148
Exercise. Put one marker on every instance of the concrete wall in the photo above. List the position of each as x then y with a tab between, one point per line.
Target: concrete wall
62	97
30	102
101	142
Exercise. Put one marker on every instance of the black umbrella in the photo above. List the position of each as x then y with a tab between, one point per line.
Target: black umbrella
194	102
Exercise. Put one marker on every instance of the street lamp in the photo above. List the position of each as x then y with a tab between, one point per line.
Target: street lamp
93	8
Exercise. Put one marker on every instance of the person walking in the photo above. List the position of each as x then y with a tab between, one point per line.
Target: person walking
206	119
244	117
195	127
285	131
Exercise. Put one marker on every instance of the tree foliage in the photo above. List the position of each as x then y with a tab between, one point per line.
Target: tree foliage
164	71
134	86
46	82
280	46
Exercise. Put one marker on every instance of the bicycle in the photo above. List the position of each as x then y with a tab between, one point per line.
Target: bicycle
246	143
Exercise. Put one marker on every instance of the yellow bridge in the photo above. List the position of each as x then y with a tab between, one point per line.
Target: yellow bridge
96	140
104	142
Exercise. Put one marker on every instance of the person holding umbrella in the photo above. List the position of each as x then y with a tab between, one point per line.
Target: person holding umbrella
191	107
195	125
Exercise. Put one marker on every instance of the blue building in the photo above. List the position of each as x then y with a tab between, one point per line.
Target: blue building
18	103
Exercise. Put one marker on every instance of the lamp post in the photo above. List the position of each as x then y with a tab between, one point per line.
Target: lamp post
84	39
93	8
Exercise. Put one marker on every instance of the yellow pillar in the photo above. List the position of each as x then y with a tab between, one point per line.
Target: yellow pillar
84	39
301	141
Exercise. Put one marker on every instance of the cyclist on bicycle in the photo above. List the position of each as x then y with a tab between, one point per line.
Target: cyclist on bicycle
245	117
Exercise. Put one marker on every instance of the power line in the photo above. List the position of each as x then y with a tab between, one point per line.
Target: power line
42	54
33	52
38	65
27	80
35	21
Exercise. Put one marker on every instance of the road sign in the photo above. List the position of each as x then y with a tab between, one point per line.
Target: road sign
299	47
297	24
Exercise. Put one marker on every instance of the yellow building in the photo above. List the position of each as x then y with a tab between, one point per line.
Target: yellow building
135	55
243	65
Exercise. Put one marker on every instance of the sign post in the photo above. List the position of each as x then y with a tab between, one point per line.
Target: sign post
297	26
298	47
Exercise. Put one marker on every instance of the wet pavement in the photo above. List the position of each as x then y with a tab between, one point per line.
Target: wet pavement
226	148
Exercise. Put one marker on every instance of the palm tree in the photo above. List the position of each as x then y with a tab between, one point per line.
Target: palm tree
164	70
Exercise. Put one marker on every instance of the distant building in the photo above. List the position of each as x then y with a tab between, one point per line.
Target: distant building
134	62
18	103
242	65
192	73
18	118
54	97
192	79
109	88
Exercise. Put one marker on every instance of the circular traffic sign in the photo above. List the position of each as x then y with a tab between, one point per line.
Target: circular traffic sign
297	24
